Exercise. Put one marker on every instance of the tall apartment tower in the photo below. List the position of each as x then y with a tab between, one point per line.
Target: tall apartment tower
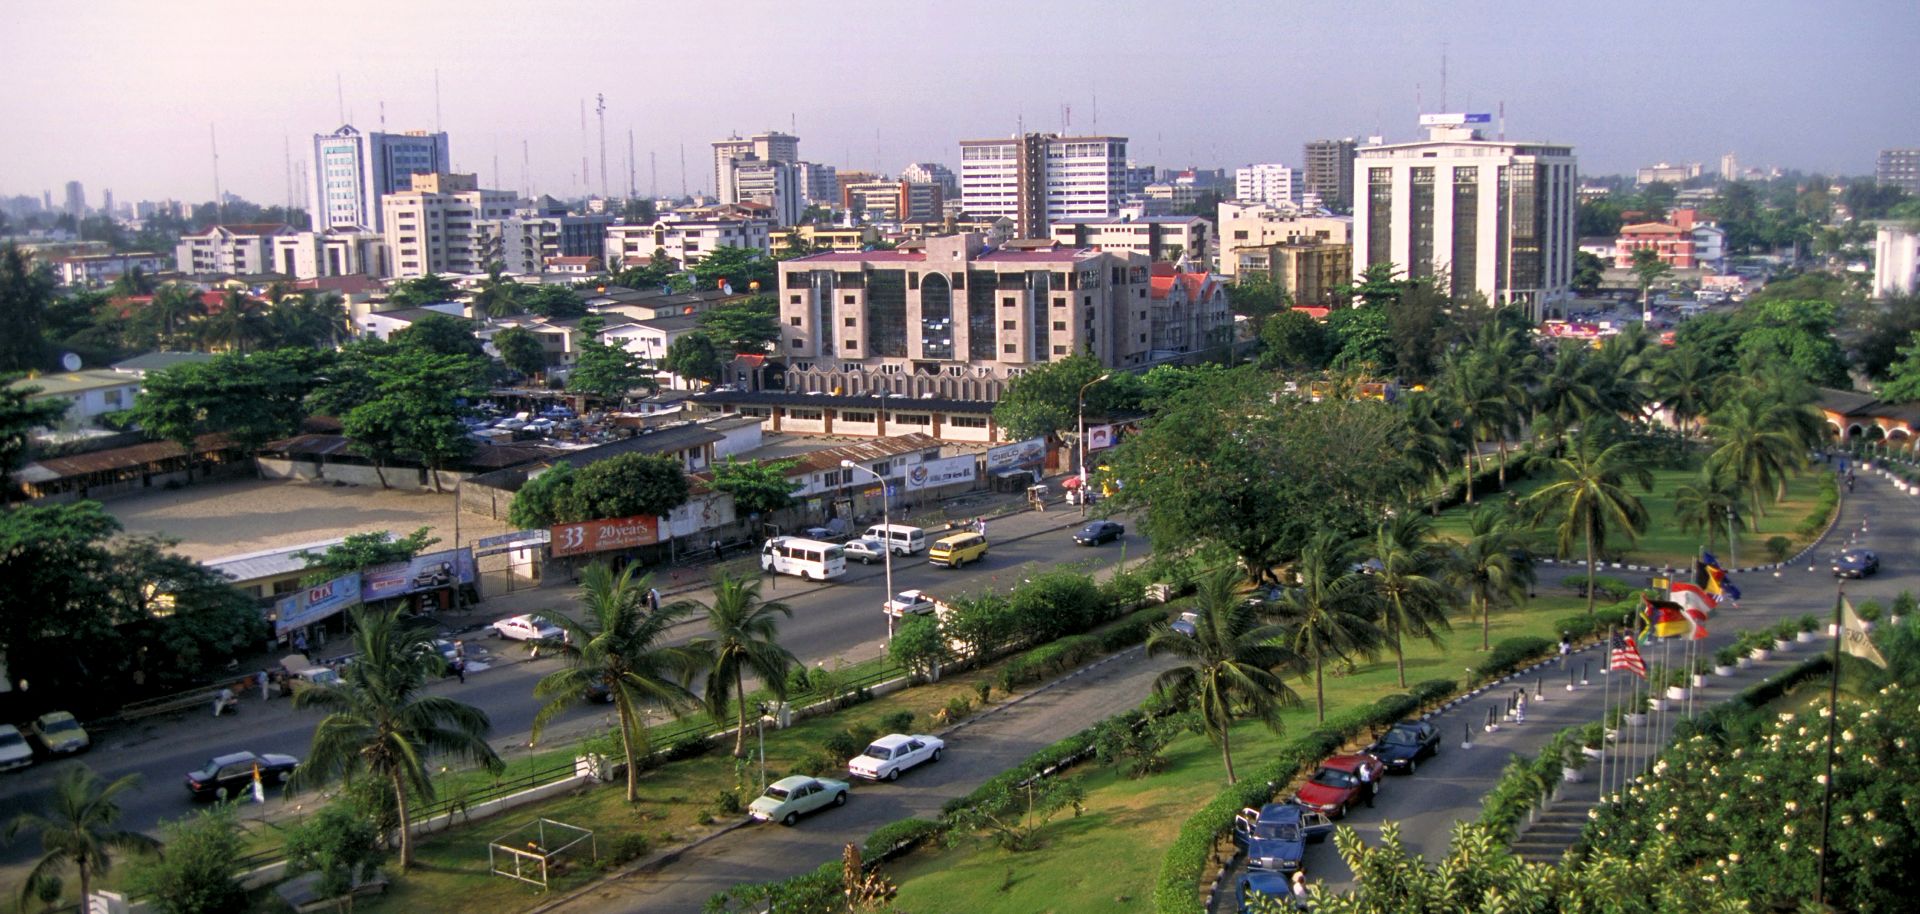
1267	183
1330	171
1494	217
1899	168
438	224
353	170
76	200
1037	178
772	146
764	168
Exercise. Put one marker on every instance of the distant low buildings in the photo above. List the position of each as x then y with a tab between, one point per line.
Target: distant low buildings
534	238
1899	168
100	269
1329	171
231	250
1292	247
685	241
1268	183
1664	173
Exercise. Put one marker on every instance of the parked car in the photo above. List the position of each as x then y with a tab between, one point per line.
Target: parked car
1856	563
14	751
229	775
1276	835
1098	532
511	424
910	603
1188	624
866	550
60	733
787	799
527	628
891	754
1335	787
1402	747
1272	886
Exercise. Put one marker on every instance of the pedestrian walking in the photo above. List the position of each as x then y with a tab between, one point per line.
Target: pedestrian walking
460	668
980	526
653	599
1300	889
221	700
716	550
300	644
1366	784
1566	648
262	677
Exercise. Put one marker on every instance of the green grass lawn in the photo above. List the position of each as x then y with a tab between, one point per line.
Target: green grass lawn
1665	543
1107	858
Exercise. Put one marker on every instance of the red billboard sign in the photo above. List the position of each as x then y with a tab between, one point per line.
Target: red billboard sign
605	535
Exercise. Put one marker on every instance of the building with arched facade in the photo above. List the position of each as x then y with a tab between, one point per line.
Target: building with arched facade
1853	416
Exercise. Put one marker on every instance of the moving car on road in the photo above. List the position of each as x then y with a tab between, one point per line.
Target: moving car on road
230	775
60	733
866	550
1336	787
787	799
527	628
14	751
1276	835
958	549
810	559
891	754
1402	747
910	603
1856	563
1098	532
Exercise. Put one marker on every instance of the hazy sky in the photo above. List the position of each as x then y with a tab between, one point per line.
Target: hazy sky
119	93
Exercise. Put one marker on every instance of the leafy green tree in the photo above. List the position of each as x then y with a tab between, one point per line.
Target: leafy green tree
1473	391
175	306
1493	566
695	358
619	646
440	333
1588	501
1685	384
629	485
431	289
743	636
606	370
556	302
1706	504
1568	391
1756	448
745	270
1648	269
655	273
757	486
1327	614
181	621
1435	442
980	621
19	416
340	842
56	607
1408	587
238	326
1588	271
1796	334
544	500
26	292
77	830
380	724
1361	339
1228	664
917	644
520	350
1046	400
361	551
196	873
497	296
1903	376
1257	296
749	325
1294	341
309	320
1016	814
414	408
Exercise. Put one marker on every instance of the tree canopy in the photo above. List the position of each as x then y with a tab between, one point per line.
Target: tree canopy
1046	400
757	486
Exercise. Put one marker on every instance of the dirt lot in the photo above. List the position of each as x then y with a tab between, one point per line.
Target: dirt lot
230	517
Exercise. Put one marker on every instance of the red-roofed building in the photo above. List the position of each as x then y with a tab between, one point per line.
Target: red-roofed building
1672	243
233	250
1189	312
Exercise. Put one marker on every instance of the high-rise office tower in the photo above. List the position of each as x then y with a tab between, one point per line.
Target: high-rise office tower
353	170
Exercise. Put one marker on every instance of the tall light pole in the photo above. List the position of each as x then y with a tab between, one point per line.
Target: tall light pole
1081	442
886	542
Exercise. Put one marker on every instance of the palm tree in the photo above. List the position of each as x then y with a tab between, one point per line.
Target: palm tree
1328	613
1476	392
1413	601
1492	566
1683	381
1435	439
77	830
1620	371
1230	663
621	648
744	638
379	722
1567	391
1703	504
497	296
1760	442
174	304
1649	269
1587	500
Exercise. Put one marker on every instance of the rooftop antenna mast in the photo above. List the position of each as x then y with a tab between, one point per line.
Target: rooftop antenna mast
633	167
340	94
683	169
1503	121
1096	109
600	113
219	201
383	114
526	170
653	174
436	100
286	148
1443	76
584	174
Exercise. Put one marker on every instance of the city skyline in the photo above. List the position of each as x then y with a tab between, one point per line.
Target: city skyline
124	115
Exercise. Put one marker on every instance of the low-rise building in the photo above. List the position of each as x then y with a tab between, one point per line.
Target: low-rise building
101	269
1896	260
1309	272
1671	243
687	241
382	325
893	201
526	241
343	251
438	225
229	250
88	394
1153	237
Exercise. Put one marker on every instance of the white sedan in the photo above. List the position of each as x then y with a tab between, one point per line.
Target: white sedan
910	603
866	550
527	628
889	755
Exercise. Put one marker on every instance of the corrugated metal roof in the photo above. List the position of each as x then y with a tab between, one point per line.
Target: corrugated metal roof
896	404
125	457
252	566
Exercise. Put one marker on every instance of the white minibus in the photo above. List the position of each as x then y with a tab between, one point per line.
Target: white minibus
805	558
902	539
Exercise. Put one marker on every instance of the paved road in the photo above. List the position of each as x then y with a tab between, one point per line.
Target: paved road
1450	787
976	752
839	621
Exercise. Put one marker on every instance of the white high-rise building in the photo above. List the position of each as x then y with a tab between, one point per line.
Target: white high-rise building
1269	183
435	226
1038	178
1495	217
772	146
353	170
932	173
819	184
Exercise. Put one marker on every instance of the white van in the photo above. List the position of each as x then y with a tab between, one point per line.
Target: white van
804	558
903	540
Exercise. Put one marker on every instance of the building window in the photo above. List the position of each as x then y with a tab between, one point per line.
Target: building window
853	322
912	419
793	299
846	299
887	313
798	343
850	345
1379	216
1463	269
980	330
1062	350
1007	348
1422	200
794	321
967	421
936	318
806	415
857	417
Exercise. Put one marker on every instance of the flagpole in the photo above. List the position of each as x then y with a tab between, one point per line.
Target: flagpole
1606	710
1833	719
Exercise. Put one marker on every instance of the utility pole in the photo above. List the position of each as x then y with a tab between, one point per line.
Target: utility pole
633	174
219	203
600	114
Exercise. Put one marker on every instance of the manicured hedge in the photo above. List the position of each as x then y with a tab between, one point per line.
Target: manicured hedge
1067	751
1511	654
1527	782
1432	691
893	837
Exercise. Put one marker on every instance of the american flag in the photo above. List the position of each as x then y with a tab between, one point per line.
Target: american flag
1626	656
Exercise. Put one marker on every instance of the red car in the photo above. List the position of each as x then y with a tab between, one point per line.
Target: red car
1335	787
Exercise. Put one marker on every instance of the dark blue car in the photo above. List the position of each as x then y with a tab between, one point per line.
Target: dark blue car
1406	745
1276	835
1272	885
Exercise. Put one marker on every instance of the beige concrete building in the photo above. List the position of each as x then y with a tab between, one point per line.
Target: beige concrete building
334	252
1308	271
231	250
1261	226
434	227
1153	237
686	241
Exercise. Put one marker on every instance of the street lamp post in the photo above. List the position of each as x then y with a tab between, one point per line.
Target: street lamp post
1081	439
886	542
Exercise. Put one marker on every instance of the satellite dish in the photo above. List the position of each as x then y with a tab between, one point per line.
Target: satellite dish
70	362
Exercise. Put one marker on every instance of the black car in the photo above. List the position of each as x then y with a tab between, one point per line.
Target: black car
1856	563
1098	532
1402	747
231	775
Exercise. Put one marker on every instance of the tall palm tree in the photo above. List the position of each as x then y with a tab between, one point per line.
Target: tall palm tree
1758	446
1232	663
497	296
1702	505
379	721
1413	601
1492	566
77	830
744	638
1435	439
174	305
1684	382
1473	387
1621	367
1328	613
1567	393
1588	500
620	647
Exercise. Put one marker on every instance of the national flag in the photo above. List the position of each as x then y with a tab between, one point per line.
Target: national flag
1691	596
1719	585
1625	655
1707	559
1664	618
1854	638
1698	619
259	790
